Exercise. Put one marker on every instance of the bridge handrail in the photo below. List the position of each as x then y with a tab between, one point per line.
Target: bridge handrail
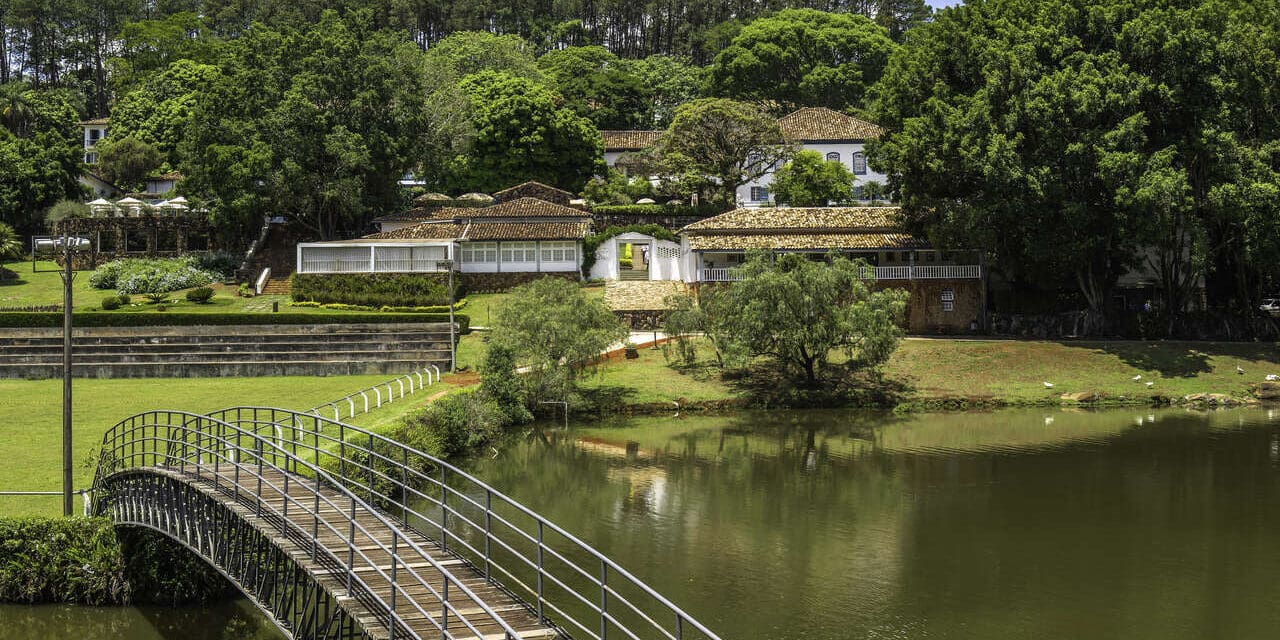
366	448
112	461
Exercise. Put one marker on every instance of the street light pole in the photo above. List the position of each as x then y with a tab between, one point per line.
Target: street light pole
67	278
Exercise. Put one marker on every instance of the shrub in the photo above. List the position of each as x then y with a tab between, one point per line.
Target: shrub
156	298
46	560
245	291
146	275
110	303
659	210
124	299
223	263
500	382
10	243
373	290
453	425
200	295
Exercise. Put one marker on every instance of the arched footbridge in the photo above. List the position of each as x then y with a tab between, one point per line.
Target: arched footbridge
337	532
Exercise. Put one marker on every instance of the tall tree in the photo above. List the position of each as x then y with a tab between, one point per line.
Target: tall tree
729	142
803	57
522	134
598	87
809	180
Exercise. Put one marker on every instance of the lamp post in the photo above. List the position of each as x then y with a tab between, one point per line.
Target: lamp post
68	277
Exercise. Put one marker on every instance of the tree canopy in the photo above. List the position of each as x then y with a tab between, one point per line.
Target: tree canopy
803	57
809	180
1063	137
730	142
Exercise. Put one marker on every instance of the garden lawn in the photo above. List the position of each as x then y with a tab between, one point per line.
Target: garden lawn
31	420
1015	371
648	380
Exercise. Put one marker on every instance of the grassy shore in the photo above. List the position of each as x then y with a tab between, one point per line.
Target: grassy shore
973	373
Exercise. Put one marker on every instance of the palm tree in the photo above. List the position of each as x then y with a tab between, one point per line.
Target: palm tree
10	243
16	112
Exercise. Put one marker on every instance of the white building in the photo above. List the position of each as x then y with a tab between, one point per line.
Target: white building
95	131
521	236
837	136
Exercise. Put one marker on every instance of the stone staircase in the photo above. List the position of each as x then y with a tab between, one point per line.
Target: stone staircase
276	287
633	275
226	351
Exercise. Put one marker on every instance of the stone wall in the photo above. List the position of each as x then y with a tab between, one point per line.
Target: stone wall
925	313
497	282
153	235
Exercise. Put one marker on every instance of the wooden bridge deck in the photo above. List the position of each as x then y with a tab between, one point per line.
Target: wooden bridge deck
335	515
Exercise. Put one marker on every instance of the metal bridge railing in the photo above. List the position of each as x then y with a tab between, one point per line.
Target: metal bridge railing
240	462
570	584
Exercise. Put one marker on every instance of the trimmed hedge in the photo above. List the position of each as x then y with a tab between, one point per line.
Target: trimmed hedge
702	210
170	319
373	289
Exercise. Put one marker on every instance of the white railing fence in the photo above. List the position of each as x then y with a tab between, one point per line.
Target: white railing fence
373	397
904	272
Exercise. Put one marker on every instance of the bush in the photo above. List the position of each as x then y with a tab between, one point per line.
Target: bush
444	308
156	298
110	303
453	425
10	243
36	320
373	289
659	210
223	263
200	295
146	275
45	560
245	291
124	299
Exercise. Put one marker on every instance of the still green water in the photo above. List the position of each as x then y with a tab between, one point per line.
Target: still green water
1024	524
237	620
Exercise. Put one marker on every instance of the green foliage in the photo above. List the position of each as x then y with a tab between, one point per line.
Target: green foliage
337	306
682	319
161	571
110	303
64	210
151	275
500	383
803	57
10	244
469	52
671	82
598	86
45	560
1065	125
557	331
811	181
160	110
592	242
127	161
124	299
200	295
223	263
453	425
615	188
40	151
659	210
730	142
521	133
797	311
91	319
372	290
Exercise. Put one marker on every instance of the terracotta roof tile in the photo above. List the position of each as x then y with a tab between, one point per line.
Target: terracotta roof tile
416	214
518	208
629	140
820	124
95	122
534	189
481	230
800	219
799	241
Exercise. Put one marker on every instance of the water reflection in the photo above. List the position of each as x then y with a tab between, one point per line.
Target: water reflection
235	620
1046	524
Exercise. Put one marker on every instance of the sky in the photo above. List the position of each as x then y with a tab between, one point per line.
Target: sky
938	4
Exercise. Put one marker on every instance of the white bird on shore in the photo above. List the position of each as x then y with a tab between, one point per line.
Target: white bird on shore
1239	370
1271	377
1150	384
1048	385
1137	378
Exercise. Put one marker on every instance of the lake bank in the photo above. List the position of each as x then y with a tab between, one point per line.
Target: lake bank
961	374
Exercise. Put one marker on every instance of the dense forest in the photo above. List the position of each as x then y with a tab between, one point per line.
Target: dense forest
1071	141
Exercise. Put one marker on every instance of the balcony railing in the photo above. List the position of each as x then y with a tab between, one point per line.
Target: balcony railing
904	272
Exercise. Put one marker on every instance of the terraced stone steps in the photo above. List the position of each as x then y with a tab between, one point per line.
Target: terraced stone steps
220	351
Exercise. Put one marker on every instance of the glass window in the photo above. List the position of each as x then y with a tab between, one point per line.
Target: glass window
948	300
519	252
759	194
474	252
859	163
559	251
834	156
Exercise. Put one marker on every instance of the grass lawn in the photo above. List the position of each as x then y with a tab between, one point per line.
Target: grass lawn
1015	371
649	380
31	420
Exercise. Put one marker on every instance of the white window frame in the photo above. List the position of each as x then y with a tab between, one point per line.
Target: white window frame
759	194
479	252
559	251
519	252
